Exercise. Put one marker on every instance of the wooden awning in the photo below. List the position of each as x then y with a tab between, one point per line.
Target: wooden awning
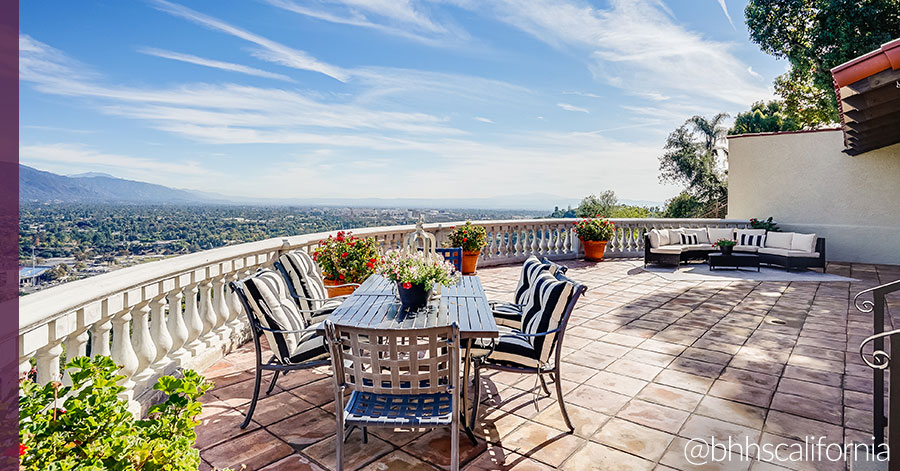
868	94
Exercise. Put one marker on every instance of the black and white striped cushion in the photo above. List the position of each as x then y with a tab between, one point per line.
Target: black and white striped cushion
510	349
544	312
689	239
531	269
303	273
508	315
311	347
271	304
751	239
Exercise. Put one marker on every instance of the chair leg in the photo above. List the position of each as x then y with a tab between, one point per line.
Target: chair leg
477	398
339	444
454	443
562	404
255	398
544	385
365	431
272	385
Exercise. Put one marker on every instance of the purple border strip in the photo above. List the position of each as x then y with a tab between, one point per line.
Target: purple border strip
9	230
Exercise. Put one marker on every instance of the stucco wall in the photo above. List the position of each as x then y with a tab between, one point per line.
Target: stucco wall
807	184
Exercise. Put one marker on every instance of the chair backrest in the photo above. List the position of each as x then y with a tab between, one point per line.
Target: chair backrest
427	240
531	270
268	304
552	301
395	361
304	280
452	255
554	267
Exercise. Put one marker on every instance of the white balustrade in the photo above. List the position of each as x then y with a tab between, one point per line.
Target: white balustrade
180	312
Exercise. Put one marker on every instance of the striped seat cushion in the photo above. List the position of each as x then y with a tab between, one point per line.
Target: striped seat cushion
508	315
311	347
544	312
510	349
303	273
271	304
511	314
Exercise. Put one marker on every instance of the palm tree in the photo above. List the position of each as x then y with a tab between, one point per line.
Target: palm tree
711	131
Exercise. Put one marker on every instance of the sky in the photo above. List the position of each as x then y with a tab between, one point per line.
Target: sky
379	98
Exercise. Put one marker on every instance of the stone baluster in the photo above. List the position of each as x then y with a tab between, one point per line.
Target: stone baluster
192	319
142	340
490	251
122	350
534	246
220	304
207	311
100	337
159	330
177	327
76	346
48	362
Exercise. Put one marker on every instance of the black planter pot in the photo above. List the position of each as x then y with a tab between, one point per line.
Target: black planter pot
413	298
727	249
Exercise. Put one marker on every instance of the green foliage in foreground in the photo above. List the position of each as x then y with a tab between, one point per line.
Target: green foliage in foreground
87	427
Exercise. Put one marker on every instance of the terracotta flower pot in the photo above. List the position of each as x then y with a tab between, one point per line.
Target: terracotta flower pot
470	261
332	292
594	249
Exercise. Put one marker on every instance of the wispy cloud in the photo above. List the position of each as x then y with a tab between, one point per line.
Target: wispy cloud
569	107
727	15
81	155
483	119
269	50
395	18
635	45
585	94
221	65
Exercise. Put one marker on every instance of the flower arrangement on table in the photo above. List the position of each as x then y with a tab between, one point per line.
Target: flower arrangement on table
725	245
345	258
416	275
594	233
471	239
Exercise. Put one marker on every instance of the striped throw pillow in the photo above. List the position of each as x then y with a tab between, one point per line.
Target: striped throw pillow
751	239
689	239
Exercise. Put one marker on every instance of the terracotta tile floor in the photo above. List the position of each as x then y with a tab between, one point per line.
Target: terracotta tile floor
648	365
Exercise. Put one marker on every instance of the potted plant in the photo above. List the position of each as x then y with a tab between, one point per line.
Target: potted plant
346	259
471	239
416	276
594	233
726	246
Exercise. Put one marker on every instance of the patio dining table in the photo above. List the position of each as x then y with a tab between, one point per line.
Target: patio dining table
374	305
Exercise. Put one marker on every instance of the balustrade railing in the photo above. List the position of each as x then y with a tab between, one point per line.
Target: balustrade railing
157	317
881	361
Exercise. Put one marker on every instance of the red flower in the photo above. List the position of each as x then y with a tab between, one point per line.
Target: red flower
341	276
465	239
22	450
407	285
344	255
373	260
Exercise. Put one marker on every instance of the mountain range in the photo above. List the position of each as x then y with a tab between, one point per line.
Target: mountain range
40	186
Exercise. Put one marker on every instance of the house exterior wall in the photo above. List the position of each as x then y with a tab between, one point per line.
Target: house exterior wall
808	185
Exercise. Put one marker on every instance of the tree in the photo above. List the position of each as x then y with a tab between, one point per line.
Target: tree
683	206
765	117
593	205
692	158
815	36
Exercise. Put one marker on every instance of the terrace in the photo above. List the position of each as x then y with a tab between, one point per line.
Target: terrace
649	362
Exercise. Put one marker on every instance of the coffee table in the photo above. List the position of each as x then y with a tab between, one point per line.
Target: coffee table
733	260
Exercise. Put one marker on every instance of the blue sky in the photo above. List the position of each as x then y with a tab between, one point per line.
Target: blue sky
379	98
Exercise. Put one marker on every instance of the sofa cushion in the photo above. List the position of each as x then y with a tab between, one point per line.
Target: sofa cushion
716	233
695	247
804	242
755	237
746	248
779	240
702	235
654	238
788	252
675	236
664	238
668	249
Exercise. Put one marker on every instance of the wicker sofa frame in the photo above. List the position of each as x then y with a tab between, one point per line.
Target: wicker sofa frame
788	263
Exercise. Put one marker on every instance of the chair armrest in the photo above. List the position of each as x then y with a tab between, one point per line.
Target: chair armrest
492	304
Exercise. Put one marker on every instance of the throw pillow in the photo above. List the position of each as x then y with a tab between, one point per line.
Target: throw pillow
804	242
675	236
689	239
702	235
654	238
664	238
717	233
779	240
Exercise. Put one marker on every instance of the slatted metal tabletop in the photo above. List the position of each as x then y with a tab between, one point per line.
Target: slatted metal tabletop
373	305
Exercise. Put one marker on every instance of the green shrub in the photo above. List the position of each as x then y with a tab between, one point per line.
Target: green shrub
595	229
469	237
767	224
85	426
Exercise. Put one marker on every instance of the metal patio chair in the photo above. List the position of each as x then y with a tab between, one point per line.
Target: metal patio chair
273	314
306	286
396	378
510	314
535	348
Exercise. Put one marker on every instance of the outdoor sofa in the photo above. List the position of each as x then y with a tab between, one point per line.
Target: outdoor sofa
790	250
